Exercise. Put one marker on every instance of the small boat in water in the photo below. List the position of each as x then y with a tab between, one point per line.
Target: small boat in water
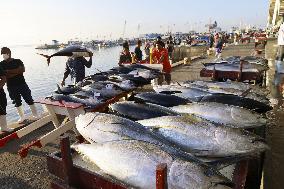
55	45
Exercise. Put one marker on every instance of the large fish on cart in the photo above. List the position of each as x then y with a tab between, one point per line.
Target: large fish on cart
201	138
200	95
234	100
231	116
69	51
101	128
160	99
135	163
139	111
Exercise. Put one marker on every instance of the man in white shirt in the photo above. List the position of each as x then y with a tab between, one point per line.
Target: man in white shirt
280	43
280	54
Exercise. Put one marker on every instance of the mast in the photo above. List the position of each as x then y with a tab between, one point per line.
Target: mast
124	28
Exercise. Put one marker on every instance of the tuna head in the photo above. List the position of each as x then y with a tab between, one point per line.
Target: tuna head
241	142
100	127
183	174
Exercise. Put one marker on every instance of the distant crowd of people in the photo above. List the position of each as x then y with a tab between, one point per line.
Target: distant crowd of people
157	52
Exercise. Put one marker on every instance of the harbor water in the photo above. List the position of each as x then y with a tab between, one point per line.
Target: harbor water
42	79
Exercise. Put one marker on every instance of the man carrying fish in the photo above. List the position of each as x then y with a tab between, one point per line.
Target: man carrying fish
16	84
160	56
75	66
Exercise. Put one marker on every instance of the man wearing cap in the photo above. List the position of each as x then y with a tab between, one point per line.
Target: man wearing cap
75	66
16	84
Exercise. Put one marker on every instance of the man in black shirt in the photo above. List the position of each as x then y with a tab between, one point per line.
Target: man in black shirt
16	84
75	66
138	52
3	102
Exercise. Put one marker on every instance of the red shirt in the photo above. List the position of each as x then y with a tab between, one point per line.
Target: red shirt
157	54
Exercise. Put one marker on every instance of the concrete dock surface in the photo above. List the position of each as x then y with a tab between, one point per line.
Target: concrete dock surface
31	172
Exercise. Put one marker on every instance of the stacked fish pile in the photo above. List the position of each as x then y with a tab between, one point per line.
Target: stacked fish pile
191	126
96	89
232	63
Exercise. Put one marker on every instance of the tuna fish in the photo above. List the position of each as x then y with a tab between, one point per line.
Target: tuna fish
160	99
248	93
237	101
88	102
137	111
229	85
101	128
192	94
104	88
66	90
147	74
135	164
204	139
69	51
228	115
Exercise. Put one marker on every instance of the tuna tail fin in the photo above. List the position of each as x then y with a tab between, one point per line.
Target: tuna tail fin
46	56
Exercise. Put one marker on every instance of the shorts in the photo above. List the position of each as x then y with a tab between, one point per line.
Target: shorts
16	92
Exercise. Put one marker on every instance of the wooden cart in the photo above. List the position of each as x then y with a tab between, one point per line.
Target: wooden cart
240	75
69	175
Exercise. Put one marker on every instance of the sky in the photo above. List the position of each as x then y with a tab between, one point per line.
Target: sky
38	21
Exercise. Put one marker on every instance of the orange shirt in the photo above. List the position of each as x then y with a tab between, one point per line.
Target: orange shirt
157	54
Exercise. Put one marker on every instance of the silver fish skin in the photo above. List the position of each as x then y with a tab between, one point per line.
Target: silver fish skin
135	163
248	93
229	85
147	74
231	116
100	128
204	139
193	94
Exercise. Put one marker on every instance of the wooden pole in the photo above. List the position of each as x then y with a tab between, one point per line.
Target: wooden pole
161	176
67	161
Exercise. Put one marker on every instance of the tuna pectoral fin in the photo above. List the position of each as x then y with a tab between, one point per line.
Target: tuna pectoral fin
226	161
170	92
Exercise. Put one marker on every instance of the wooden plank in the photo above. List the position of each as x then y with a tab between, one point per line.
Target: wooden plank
62	103
240	174
67	161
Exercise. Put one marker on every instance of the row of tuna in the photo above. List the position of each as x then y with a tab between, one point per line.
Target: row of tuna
195	127
232	63
96	89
